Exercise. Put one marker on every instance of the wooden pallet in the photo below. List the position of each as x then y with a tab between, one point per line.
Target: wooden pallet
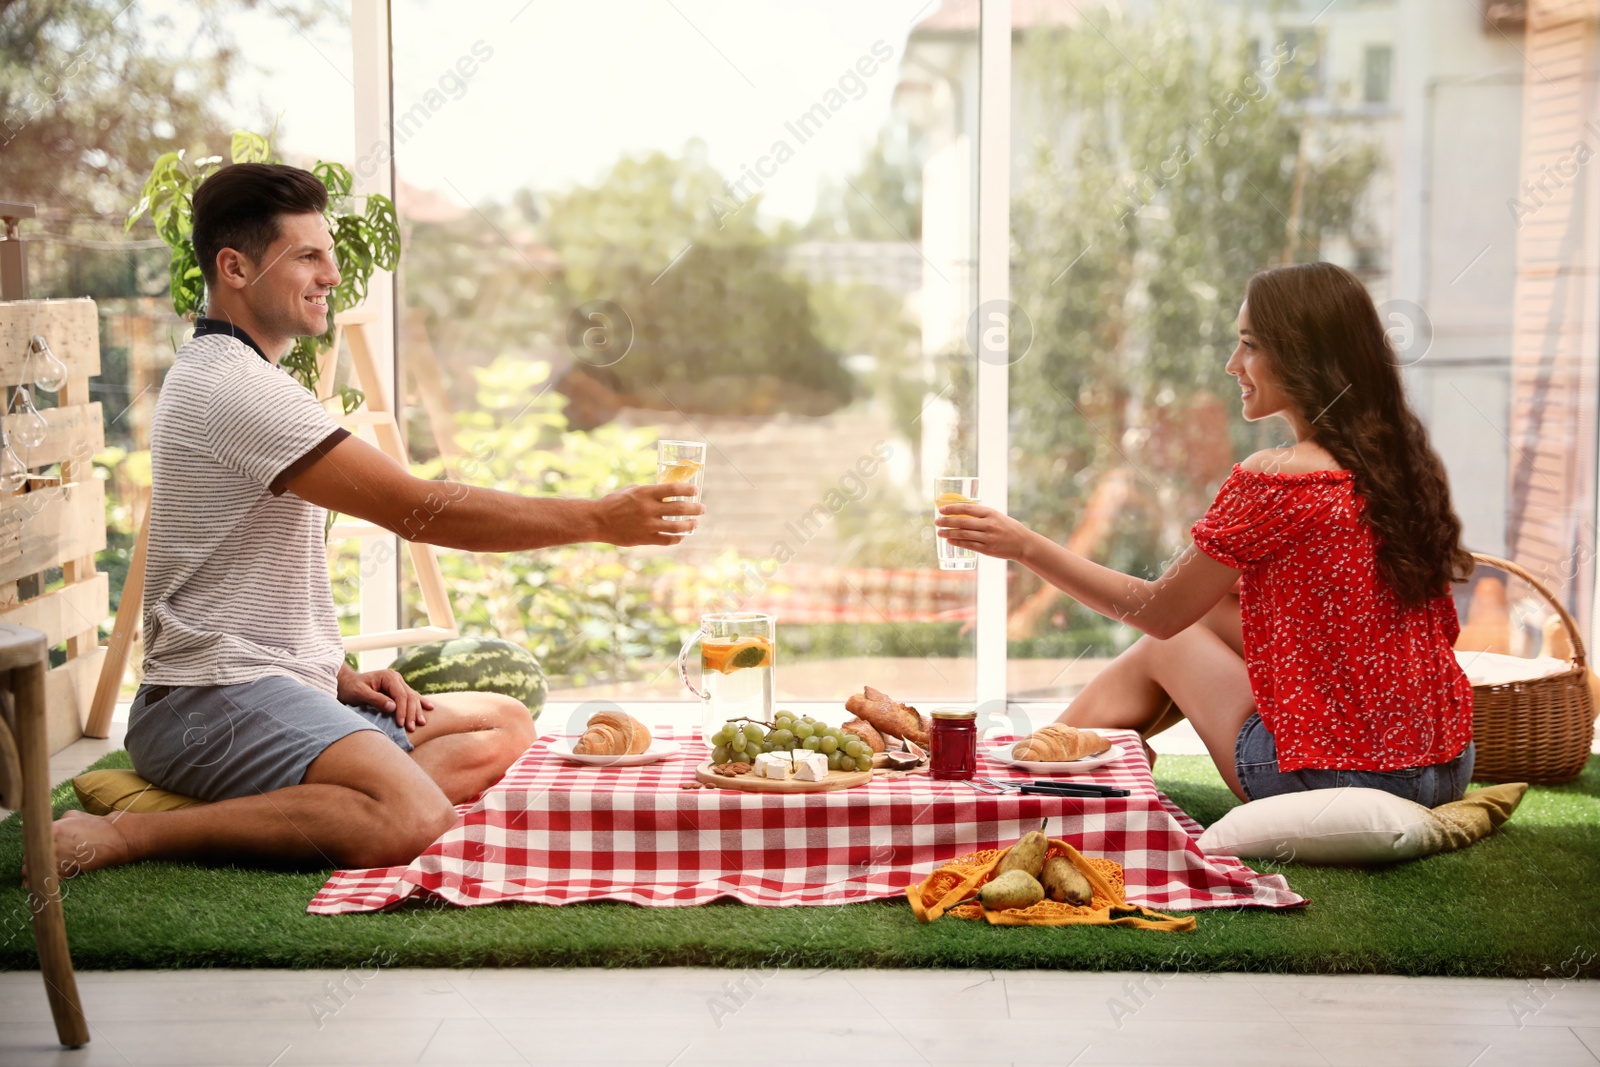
57	521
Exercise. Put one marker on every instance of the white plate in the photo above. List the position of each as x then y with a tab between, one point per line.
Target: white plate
562	746
1002	754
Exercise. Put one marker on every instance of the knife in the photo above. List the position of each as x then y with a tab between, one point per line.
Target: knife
1104	790
1068	789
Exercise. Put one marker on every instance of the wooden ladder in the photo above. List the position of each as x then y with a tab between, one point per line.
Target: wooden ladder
376	413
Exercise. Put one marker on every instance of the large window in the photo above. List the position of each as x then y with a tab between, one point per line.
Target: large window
706	223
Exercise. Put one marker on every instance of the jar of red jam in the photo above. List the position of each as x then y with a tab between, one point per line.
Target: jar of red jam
953	744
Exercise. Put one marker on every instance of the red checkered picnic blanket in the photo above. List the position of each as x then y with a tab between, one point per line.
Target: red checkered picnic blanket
555	832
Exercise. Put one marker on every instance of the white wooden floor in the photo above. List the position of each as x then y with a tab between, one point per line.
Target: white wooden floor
685	1017
680	1016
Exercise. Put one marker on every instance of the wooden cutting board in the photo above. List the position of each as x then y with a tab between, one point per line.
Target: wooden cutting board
751	784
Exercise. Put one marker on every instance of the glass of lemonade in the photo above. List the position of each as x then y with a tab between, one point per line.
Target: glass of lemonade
738	658
954	491
681	461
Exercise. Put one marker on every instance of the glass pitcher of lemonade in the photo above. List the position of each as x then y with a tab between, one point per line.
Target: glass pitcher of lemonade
737	668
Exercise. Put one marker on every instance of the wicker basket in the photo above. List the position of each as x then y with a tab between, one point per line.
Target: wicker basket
1539	730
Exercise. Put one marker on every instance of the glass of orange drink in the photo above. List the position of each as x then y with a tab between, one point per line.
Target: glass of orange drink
954	491
681	461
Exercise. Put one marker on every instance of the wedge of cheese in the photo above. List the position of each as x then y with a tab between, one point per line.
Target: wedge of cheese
810	766
776	765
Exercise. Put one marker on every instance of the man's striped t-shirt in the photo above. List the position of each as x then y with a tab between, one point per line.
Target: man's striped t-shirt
236	584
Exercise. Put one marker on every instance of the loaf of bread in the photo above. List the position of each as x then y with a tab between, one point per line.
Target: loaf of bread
888	717
1059	743
866	732
613	733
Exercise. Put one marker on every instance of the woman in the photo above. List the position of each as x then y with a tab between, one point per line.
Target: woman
1333	666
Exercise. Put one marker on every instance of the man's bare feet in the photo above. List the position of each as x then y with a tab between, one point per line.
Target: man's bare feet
87	842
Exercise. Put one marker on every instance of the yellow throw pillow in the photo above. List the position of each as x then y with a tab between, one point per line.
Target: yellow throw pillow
1477	815
102	792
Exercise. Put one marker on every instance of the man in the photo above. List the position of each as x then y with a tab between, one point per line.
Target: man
247	700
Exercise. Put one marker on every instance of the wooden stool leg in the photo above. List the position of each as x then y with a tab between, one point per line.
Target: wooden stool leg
49	926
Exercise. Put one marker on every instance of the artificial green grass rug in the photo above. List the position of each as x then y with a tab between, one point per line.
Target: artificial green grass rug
1523	903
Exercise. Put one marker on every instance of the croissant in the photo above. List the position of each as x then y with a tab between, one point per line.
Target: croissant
637	733
613	733
1059	743
888	717
866	731
601	741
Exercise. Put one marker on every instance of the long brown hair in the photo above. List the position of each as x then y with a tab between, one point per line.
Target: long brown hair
1322	335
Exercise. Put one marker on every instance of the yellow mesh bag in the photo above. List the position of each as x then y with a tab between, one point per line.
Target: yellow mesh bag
943	893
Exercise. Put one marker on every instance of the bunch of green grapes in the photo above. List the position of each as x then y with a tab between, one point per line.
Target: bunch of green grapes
741	740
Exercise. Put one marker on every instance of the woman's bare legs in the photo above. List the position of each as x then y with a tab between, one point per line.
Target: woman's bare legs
1199	671
1128	686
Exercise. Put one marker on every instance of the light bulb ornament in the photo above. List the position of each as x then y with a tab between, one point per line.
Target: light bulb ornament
49	373
30	429
13	472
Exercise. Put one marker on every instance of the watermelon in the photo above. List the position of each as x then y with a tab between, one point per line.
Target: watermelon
482	664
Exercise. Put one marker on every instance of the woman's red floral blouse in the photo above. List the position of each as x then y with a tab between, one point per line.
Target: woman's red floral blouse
1344	675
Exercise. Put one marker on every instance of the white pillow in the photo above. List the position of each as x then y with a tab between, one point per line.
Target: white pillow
1493	668
1348	825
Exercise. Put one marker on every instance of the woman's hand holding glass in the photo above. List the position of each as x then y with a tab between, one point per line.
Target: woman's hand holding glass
985	530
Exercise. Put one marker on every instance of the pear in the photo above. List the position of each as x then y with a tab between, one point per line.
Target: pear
1013	889
1026	855
1065	884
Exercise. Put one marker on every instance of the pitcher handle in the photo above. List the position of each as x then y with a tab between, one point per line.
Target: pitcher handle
683	665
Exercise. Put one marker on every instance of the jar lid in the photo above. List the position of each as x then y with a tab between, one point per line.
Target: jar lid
954	713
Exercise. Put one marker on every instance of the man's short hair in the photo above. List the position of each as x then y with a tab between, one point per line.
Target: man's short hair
238	208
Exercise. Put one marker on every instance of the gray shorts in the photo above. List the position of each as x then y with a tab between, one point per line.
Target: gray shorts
1255	760
215	742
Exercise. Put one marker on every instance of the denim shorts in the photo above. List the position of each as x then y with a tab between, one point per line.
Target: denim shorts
1255	759
215	742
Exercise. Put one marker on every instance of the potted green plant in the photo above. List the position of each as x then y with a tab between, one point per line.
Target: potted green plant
362	242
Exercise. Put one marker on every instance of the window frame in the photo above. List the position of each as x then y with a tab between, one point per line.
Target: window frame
372	56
